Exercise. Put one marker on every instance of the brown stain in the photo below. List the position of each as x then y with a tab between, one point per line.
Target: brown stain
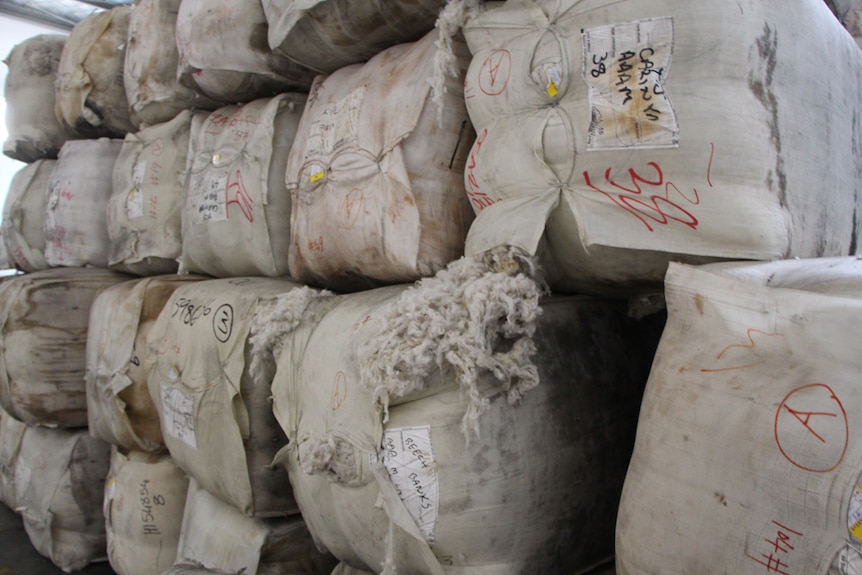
699	303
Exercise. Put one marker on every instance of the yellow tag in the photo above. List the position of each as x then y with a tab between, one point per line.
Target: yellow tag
854	514
552	89
317	177
132	193
216	158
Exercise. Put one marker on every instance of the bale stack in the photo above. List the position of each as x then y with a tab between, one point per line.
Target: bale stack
495	191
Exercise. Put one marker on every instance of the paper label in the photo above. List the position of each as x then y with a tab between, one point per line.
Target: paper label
336	126
625	67
207	197
135	200
409	460
850	561
854	513
178	415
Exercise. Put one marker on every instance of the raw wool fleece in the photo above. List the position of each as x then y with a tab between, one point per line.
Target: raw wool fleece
89	96
33	129
223	53
376	180
45	315
216	414
145	496
150	68
217	538
681	161
119	407
76	227
748	432
24	216
486	504
237	211
326	35
60	484
478	316
145	206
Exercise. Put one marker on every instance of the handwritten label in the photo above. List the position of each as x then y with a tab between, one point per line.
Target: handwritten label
478	197
336	125
625	66
409	460
178	415
811	428
495	72
778	548
149	501
207	197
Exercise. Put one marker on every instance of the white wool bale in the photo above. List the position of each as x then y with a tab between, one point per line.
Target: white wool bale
145	496
214	407
76	228
608	146
33	129
145	205
89	93
11	436
59	483
119	407
326	35
748	455
43	335
24	216
223	52
376	173
376	395
236	216
853	21
217	538
150	66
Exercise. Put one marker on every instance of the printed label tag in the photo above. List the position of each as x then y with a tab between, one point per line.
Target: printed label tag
409	460
207	197
854	513
178	415
625	66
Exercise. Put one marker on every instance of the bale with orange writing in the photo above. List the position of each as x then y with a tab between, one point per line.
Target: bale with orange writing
145	496
24	216
144	211
214	406
608	145
376	173
747	457
460	423
236	215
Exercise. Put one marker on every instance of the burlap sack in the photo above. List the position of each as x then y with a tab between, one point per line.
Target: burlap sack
150	67
215	411
144	209
236	216
609	147
44	318
24	216
376	173
326	35
145	496
33	129
89	93
223	53
76	228
748	455
119	407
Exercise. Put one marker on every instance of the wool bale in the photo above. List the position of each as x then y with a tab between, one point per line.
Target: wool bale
90	96
24	216
44	318
60	482
119	407
748	455
217	538
326	35
150	66
460	425
76	228
145	495
376	173
145	205
33	130
11	436
236	217
223	52
609	147
215	412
